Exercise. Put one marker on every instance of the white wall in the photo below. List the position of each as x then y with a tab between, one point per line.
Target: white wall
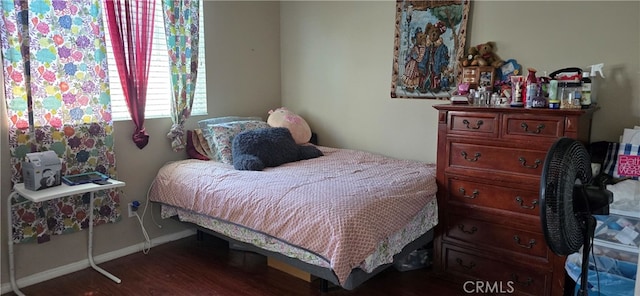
243	69
337	58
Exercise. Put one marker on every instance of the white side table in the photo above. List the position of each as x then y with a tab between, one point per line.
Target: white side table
53	193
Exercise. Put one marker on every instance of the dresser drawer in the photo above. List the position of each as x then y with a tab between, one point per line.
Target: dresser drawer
522	280
489	196
532	128
481	233
504	159
474	124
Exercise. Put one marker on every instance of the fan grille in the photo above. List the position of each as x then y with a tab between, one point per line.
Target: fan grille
567	163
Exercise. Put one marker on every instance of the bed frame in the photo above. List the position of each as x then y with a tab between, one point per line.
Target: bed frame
327	276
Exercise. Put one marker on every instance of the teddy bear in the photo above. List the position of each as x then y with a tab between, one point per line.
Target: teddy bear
484	55
283	117
256	149
469	59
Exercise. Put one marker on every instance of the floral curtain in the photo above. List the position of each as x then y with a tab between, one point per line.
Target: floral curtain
131	31
181	23
57	96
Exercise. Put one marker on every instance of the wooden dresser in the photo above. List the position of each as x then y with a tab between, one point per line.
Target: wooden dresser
488	170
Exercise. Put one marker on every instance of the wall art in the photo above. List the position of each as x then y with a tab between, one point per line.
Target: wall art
429	42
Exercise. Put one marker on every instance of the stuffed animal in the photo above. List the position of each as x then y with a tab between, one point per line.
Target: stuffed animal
253	150
484	55
469	58
283	117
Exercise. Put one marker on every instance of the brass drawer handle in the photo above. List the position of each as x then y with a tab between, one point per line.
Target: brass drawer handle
472	231
525	283
532	242
474	159
521	202
470	266
523	161
525	126
478	124
473	195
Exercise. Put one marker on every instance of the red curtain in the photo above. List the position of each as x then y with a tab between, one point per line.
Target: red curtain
131	30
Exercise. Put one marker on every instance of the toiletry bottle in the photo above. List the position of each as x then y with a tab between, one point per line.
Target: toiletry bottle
554	102
586	91
516	91
595	70
531	88
543	82
539	101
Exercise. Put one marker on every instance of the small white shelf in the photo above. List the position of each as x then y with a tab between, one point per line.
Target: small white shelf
63	190
613	248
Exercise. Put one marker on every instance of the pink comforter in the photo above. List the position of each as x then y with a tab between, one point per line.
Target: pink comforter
338	206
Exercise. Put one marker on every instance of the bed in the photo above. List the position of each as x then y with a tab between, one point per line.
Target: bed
342	217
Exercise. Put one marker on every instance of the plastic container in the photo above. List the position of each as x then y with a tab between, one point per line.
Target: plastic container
570	95
612	278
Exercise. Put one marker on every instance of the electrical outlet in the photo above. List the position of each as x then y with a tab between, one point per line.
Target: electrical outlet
131	210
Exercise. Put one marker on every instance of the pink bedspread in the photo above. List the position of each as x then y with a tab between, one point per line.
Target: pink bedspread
338	206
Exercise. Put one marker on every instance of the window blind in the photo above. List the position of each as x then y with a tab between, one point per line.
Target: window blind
159	84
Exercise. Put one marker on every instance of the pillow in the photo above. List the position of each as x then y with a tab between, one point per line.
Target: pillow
222	136
201	144
253	150
204	127
283	117
192	151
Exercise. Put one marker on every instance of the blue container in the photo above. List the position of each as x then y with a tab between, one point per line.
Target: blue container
613	277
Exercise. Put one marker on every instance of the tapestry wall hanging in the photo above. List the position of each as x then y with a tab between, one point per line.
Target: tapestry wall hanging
429	41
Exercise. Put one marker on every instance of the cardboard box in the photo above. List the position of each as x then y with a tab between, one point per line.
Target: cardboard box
41	170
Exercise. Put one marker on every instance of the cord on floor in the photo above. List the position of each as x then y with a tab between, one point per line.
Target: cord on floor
147	242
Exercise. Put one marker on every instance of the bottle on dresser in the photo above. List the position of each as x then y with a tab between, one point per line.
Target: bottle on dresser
531	88
586	90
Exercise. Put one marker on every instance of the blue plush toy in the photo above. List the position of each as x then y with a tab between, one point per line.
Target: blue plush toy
253	150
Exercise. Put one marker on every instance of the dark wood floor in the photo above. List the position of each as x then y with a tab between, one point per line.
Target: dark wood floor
208	267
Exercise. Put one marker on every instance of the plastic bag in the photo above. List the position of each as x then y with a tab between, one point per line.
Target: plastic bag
613	278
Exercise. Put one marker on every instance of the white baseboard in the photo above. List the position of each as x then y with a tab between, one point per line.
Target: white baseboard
82	264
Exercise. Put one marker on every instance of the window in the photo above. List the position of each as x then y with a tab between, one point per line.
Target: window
159	87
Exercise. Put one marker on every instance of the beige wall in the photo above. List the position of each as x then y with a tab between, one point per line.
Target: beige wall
243	65
337	59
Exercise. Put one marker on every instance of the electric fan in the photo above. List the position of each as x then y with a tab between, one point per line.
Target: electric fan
568	201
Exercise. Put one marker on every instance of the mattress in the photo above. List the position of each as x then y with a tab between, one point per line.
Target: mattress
347	209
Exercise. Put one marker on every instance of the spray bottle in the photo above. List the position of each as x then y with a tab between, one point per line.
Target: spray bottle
595	69
586	90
